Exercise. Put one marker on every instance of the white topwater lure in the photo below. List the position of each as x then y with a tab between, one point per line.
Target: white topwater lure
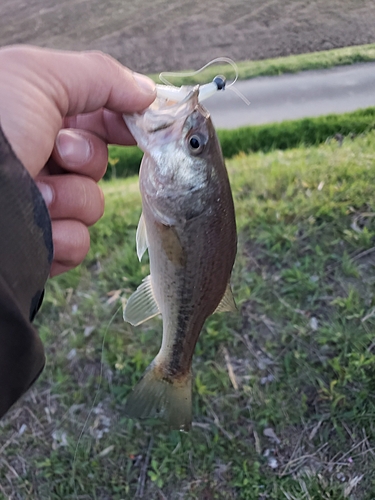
177	94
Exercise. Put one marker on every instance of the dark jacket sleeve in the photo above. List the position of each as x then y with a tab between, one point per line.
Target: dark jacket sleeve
25	259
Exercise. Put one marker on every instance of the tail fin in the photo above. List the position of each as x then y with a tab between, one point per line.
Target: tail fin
156	397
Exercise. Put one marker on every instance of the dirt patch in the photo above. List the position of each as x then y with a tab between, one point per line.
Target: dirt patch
158	35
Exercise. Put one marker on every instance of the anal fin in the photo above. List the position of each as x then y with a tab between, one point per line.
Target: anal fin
141	305
227	303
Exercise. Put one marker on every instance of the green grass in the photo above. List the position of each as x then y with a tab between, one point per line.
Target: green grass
300	424
125	161
290	64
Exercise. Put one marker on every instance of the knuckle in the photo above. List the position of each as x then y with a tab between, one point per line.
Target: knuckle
71	241
91	201
79	244
101	58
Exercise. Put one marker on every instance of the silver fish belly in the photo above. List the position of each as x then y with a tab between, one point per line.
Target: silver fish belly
188	226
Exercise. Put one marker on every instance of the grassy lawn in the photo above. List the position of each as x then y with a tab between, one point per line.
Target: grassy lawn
284	392
290	64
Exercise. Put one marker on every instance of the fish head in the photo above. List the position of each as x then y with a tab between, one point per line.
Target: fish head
179	141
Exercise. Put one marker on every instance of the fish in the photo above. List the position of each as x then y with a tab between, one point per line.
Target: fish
188	226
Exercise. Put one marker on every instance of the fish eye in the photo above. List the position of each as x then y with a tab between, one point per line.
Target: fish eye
196	144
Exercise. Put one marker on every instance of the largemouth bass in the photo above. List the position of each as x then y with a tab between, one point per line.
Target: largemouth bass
188	225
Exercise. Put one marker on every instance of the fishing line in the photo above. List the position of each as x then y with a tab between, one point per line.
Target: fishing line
164	75
94	401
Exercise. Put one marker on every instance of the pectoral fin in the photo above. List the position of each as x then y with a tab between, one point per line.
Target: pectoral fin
141	237
227	302
172	245
141	305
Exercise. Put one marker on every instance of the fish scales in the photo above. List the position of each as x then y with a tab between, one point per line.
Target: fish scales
188	226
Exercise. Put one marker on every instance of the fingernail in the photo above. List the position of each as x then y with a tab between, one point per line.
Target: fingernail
72	147
46	192
144	83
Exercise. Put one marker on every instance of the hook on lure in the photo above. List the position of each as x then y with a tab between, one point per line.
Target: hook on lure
179	93
169	91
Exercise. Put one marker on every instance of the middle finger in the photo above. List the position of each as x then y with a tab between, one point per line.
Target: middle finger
72	196
106	124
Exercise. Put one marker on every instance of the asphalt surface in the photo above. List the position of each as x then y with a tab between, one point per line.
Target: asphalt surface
292	96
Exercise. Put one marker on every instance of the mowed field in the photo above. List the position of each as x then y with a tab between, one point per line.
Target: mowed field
152	36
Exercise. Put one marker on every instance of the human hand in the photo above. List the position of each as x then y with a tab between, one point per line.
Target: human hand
59	110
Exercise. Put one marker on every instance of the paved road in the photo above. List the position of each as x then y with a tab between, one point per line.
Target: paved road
287	97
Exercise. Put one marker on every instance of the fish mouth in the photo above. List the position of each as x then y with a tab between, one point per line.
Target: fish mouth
160	103
160	127
164	115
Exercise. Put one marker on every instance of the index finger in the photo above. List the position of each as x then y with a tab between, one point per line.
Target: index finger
92	80
82	82
106	124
